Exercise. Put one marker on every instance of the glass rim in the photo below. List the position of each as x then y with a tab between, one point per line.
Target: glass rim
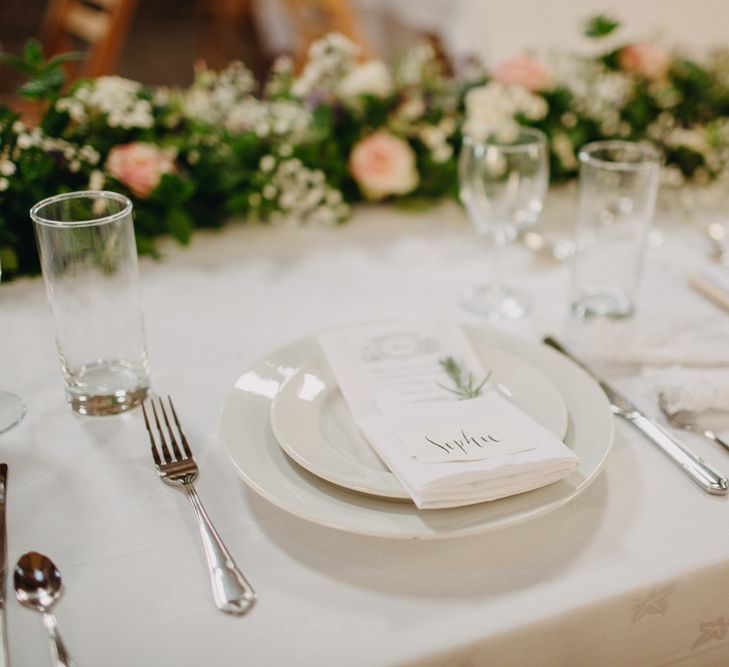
81	194
648	154
537	138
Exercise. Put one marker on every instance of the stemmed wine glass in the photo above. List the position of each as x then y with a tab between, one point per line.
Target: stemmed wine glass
503	179
12	408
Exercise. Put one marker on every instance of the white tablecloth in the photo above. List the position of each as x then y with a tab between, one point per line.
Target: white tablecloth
633	572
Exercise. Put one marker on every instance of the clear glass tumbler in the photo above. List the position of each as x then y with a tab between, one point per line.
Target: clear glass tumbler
502	183
89	262
618	184
12	408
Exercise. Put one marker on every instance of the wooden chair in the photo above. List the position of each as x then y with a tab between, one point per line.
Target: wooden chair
98	27
311	19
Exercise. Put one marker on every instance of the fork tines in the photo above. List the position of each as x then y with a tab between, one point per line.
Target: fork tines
165	432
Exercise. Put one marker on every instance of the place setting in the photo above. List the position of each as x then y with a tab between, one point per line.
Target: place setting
552	389
316	457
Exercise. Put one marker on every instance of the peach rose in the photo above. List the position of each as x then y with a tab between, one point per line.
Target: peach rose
140	166
646	60
382	165
523	71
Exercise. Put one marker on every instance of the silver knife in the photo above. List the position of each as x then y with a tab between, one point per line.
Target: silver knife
707	477
4	662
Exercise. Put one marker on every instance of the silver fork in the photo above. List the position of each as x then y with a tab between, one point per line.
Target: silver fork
231	591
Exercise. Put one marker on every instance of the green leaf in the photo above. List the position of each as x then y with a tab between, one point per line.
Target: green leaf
14	61
33	52
172	190
66	57
465	385
600	25
46	85
179	224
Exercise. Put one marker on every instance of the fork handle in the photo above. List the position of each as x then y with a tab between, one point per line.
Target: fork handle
719	441
231	591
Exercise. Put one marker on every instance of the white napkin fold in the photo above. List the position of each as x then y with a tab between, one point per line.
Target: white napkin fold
633	343
448	483
692	389
456	483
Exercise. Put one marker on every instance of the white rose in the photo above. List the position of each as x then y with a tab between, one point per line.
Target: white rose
370	78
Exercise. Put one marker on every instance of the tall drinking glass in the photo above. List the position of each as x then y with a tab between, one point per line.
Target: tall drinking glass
89	262
12	408
618	184
503	181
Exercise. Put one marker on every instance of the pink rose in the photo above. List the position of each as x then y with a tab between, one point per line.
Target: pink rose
523	71
140	166
646	60
383	165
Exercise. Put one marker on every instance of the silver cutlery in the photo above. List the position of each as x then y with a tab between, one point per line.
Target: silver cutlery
689	421
231	590
705	476
38	586
4	661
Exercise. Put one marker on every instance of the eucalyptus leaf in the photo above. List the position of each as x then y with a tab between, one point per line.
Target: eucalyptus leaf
600	25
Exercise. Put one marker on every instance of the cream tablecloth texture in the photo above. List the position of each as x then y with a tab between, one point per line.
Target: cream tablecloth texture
633	572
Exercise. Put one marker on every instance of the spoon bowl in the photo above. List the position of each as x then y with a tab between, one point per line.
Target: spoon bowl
37	581
38	586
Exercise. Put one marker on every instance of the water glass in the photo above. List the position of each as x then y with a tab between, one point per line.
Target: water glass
89	262
618	184
502	181
12	408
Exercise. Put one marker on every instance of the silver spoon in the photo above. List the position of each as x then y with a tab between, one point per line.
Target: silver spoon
688	421
38	586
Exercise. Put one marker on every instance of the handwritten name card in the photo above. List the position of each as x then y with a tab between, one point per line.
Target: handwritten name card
494	435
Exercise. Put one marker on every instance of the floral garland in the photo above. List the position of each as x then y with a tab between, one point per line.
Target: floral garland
341	131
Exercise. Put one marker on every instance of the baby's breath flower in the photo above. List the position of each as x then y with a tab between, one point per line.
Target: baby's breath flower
96	180
7	168
25	141
268	162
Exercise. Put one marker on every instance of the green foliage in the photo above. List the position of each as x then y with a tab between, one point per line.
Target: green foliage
600	25
465	385
46	78
231	149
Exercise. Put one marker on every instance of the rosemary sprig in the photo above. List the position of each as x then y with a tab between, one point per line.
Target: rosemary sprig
465	383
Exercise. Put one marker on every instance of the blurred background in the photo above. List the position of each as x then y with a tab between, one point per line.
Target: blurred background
157	41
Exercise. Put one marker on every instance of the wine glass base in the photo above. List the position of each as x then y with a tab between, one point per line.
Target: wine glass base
12	410
495	303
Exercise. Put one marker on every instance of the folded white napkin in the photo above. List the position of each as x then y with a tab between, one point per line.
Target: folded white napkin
455	483
633	343
692	389
377	388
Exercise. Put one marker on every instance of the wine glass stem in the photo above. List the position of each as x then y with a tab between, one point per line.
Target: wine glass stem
497	241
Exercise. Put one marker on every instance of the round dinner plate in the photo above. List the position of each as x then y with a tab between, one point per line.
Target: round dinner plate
311	420
246	434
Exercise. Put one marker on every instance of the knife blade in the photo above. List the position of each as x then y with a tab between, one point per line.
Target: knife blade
704	475
4	662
